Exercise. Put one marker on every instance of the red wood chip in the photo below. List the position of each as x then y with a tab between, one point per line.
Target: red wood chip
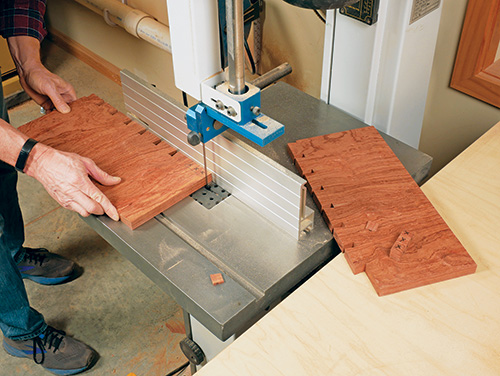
217	279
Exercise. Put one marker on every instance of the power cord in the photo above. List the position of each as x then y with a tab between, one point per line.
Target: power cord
178	370
185	99
319	15
250	57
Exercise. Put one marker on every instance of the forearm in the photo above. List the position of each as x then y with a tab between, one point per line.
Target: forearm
65	176
11	142
45	88
25	51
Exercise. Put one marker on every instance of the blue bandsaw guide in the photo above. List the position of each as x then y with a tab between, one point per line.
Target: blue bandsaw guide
220	110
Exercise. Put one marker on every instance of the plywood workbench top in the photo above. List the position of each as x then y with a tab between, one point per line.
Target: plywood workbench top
335	324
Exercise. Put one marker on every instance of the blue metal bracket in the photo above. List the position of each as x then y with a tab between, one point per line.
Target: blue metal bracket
199	122
259	128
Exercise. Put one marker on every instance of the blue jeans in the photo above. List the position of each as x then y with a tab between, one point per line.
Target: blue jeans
18	320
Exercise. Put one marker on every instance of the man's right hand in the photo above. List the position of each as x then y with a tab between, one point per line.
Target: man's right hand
45	88
65	176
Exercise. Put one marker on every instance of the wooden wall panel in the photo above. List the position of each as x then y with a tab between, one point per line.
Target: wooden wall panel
476	73
380	218
154	176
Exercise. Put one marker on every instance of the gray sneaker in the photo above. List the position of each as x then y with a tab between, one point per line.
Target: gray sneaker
44	267
54	351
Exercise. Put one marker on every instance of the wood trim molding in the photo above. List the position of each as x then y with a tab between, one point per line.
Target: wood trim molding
476	73
84	54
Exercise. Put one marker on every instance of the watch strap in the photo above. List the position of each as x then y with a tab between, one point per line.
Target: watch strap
24	154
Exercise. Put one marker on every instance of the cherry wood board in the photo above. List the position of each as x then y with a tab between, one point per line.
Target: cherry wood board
154	175
380	218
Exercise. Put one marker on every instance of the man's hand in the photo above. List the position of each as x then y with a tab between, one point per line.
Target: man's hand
45	88
65	176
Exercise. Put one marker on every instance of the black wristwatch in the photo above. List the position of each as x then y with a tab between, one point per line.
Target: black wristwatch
24	154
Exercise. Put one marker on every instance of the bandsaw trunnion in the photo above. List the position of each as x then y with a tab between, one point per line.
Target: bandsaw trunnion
380	218
154	175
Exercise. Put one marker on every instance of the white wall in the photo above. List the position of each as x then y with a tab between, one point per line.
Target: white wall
381	72
289	34
452	120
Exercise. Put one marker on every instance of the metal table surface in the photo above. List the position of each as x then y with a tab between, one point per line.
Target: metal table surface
257	271
305	116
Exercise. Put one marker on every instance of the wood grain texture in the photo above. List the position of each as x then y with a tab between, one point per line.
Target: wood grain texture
357	181
333	325
154	176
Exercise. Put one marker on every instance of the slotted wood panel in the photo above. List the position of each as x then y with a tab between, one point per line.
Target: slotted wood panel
154	176
380	218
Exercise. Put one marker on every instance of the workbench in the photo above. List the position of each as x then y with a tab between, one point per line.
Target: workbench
335	324
264	265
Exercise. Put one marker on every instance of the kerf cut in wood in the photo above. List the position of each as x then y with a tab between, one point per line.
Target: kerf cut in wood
380	218
154	176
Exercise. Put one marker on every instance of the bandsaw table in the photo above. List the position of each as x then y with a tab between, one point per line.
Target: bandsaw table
180	248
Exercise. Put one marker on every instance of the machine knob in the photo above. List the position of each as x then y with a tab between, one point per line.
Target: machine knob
194	138
219	105
231	111
192	351
255	110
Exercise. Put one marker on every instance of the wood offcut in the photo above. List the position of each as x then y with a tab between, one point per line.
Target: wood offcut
217	279
379	217
154	176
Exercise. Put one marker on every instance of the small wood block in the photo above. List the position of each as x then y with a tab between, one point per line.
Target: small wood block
359	184
371	226
217	279
154	176
400	246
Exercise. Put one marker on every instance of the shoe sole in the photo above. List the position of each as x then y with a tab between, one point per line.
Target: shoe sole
21	354
66	372
15	352
45	280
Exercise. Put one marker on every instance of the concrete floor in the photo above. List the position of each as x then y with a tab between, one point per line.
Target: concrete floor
133	324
